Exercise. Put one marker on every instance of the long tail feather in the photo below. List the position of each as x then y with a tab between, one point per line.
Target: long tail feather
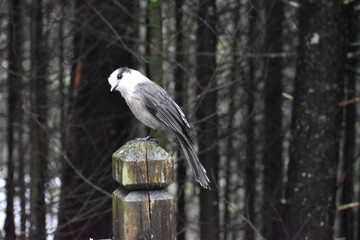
195	164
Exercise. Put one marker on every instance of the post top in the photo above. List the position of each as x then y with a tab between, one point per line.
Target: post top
142	165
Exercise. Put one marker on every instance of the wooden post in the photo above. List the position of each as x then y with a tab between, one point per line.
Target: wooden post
142	208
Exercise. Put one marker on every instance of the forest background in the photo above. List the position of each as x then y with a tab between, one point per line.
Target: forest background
271	88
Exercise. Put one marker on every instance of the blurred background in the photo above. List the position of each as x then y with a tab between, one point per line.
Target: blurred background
271	88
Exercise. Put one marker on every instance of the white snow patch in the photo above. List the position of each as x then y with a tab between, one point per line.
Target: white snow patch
315	39
2	202
294	4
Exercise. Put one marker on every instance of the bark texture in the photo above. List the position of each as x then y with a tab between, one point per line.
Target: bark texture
347	218
207	129
38	129
316	122
14	84
180	90
272	155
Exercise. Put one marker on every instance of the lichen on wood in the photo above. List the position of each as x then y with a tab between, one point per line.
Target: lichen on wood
140	163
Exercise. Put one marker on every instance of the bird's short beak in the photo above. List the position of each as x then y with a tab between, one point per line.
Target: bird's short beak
113	87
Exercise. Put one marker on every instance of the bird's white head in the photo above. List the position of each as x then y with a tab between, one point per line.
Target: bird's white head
117	76
124	79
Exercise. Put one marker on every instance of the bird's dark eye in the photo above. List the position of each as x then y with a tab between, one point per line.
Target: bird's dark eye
119	76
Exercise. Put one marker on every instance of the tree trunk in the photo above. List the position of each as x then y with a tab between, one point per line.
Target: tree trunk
316	121
207	116
250	156
21	177
99	121
272	160
154	67
61	77
230	151
14	82
179	99
347	218
38	163
250	87
23	149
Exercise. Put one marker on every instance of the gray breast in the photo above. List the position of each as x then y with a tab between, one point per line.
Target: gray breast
138	108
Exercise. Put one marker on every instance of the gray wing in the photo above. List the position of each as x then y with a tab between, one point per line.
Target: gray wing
162	107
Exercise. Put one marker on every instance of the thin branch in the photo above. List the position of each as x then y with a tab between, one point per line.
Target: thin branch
139	57
86	180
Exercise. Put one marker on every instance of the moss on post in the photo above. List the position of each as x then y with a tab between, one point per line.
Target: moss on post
142	209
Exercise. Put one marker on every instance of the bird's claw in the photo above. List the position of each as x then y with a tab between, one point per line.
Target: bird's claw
148	138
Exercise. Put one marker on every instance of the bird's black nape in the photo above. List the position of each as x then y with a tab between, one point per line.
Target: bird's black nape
123	70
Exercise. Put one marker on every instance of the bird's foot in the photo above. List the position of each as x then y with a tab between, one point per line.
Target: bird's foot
148	138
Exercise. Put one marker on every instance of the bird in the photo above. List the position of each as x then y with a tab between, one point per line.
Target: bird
154	107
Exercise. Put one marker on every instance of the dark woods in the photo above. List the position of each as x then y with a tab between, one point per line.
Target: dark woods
271	89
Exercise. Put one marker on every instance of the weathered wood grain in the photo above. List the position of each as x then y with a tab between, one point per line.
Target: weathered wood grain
142	208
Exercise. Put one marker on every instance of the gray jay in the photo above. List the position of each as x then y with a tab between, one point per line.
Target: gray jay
152	106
